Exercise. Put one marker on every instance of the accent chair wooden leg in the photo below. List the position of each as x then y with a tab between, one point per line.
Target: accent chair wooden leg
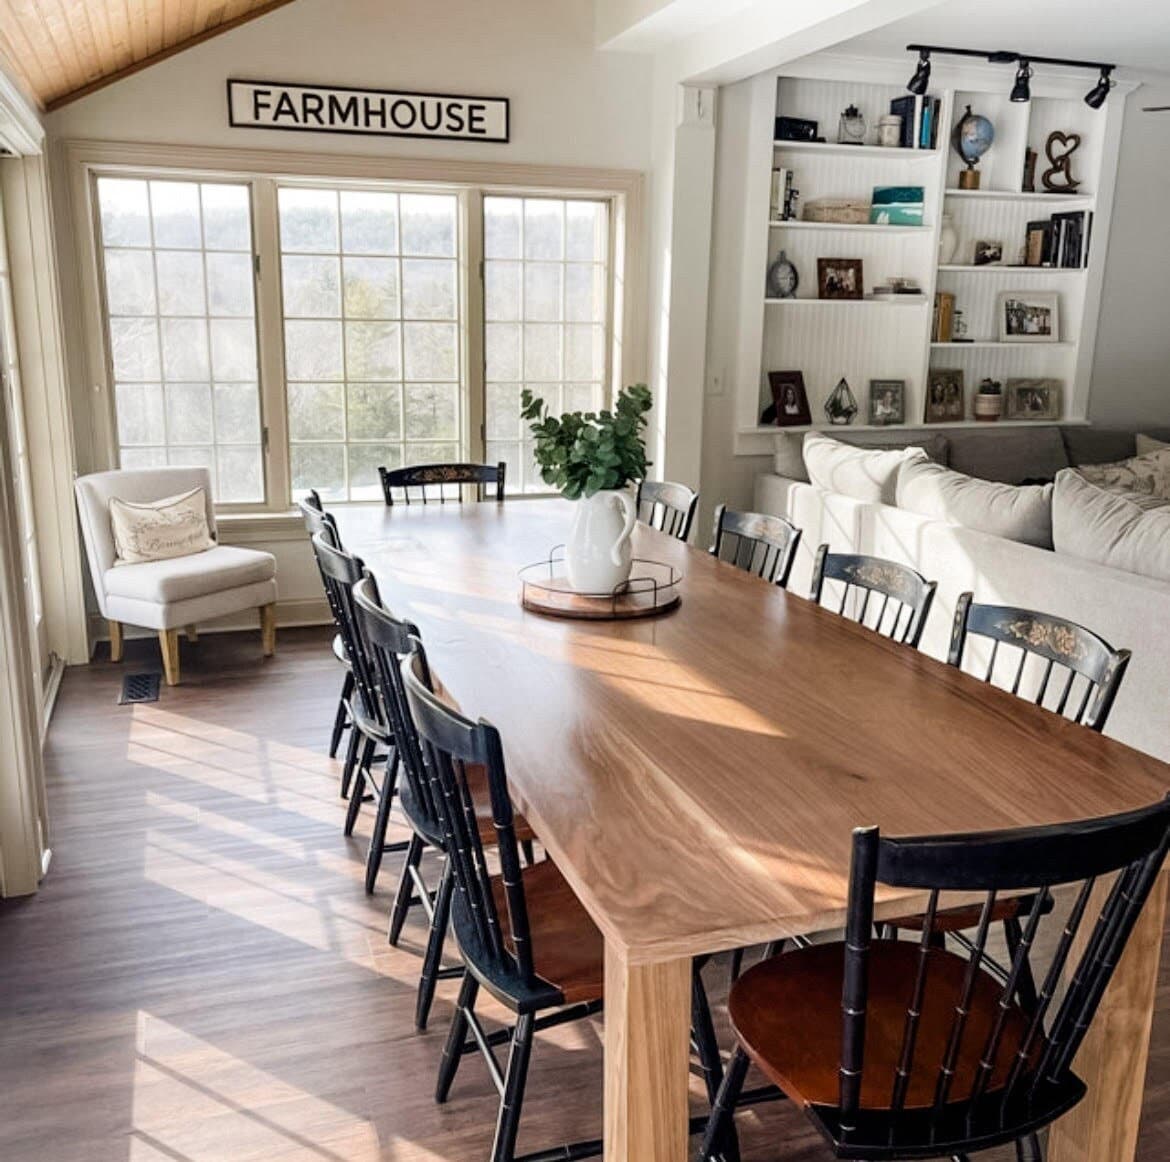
168	640
192	634
268	628
115	641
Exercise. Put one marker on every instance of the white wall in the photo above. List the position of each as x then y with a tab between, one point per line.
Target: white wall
571	105
1131	367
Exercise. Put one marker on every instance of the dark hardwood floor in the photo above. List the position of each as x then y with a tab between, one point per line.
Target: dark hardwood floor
202	978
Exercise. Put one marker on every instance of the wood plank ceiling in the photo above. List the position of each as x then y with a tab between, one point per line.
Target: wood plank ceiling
62	49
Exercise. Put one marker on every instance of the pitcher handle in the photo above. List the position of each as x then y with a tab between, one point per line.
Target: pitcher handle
627	502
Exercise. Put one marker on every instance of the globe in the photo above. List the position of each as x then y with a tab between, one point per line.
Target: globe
973	137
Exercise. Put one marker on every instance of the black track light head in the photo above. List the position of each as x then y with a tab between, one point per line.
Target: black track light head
921	79
1095	97
1022	89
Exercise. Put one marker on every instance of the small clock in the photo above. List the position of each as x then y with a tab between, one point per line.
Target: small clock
783	278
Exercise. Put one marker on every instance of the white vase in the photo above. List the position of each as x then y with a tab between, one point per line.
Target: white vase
948	240
598	554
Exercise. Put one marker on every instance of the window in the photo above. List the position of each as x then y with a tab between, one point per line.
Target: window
372	334
360	322
180	316
546	264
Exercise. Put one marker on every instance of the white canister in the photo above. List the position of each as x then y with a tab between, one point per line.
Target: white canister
948	240
890	131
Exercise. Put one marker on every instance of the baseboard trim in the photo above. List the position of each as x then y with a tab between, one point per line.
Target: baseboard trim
52	689
296	611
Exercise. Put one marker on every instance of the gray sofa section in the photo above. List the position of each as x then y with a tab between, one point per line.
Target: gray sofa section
1126	609
999	452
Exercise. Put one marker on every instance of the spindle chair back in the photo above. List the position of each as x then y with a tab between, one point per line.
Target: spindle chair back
758	543
438	483
667	507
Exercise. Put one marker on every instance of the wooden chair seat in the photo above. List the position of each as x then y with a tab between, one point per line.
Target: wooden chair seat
780	1012
568	948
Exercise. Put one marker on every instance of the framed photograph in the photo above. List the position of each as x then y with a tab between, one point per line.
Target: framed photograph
795	129
887	401
1029	316
944	396
789	399
839	278
988	253
1033	399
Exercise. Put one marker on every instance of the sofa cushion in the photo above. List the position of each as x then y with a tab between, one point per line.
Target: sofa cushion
1149	474
788	456
1016	512
1113	529
158	529
178	578
862	473
1090	445
1009	455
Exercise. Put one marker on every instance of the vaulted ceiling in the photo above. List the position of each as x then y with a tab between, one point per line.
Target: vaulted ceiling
62	49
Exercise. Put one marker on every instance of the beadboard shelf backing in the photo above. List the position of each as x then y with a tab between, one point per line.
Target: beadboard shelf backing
866	339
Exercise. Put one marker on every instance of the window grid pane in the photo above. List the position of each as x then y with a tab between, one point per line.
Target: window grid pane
373	334
546	278
180	319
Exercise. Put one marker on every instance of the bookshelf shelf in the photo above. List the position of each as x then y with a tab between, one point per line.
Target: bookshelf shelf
1000	268
999	345
831	149
1078	200
850	227
902	301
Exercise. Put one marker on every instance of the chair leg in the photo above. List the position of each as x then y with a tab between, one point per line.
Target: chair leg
736	964
351	753
115	641
703	1029
405	891
526	846
719	1125
268	628
168	640
381	821
358	790
1026	983
436	939
456	1036
341	718
508	1122
1028	1149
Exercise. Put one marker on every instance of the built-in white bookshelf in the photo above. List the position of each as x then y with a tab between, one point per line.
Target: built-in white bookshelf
891	337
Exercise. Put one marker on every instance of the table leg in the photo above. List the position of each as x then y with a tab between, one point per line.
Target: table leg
1112	1058
647	1045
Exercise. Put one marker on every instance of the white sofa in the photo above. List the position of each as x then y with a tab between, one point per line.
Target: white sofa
177	592
1126	609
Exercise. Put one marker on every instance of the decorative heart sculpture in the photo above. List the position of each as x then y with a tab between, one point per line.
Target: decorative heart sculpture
1059	179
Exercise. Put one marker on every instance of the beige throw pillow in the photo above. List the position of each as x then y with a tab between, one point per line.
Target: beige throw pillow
1015	512
871	476
175	526
1148	473
1123	532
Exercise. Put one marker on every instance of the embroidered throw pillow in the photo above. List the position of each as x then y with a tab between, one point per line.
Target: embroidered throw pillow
175	526
1149	473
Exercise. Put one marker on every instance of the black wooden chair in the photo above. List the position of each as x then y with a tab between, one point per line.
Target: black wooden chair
901	1049
438	483
1088	670
317	520
372	740
523	934
906	595
667	507
391	642
760	544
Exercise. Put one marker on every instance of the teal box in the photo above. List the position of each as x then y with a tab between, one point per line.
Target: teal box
896	206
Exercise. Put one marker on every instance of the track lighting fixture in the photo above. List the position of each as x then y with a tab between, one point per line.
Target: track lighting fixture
921	80
1022	88
1095	97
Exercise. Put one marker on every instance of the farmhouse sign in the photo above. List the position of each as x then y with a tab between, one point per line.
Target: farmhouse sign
381	112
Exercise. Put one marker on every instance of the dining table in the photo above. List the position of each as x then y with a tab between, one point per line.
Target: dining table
696	776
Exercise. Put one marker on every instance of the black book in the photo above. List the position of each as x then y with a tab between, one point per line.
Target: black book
904	107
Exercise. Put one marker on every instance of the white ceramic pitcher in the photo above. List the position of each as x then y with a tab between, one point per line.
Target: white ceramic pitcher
598	554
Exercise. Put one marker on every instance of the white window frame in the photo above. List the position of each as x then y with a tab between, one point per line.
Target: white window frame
264	170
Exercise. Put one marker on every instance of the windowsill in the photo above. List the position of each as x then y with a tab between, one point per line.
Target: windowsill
240	528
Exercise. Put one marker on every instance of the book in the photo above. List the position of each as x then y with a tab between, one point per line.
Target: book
896	206
944	317
904	107
776	203
1037	243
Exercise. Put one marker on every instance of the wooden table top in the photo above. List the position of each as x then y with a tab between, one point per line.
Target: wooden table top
697	776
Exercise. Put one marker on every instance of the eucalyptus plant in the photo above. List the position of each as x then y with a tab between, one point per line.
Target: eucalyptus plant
581	453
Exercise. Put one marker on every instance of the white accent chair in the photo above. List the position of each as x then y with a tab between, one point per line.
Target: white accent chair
181	591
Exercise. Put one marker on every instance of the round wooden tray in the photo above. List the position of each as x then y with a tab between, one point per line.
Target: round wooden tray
651	590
